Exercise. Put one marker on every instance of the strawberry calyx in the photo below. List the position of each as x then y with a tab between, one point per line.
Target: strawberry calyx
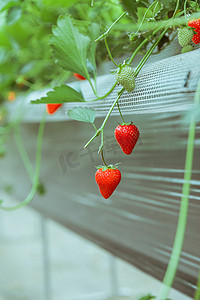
123	124
104	168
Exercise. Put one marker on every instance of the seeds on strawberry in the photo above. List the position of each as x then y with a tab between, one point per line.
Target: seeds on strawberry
127	136
195	24
196	38
52	107
107	179
185	35
126	78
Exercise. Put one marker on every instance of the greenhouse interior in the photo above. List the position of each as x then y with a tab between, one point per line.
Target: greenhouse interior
99	150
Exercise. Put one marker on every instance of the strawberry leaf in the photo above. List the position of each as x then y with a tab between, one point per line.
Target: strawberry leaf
59	2
61	94
13	15
5	4
70	46
131	7
82	114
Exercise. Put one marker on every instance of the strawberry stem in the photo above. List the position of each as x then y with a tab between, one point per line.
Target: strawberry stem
197	293
102	157
140	46
108	49
120	112
182	220
99	131
146	56
109	29
36	173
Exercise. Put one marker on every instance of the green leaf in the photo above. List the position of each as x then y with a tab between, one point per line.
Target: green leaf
148	297
169	4
13	15
70	46
131	7
146	14
82	114
61	94
5	4
60	3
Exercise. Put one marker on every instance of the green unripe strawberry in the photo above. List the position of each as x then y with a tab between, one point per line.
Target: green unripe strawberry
185	35
126	78
187	48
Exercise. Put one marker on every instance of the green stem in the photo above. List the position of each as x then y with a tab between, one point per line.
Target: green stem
111	109
90	82
106	118
144	17
22	152
102	157
109	29
182	220
143	61
94	127
102	142
108	93
185	11
177	6
107	47
140	46
120	112
197	292
36	173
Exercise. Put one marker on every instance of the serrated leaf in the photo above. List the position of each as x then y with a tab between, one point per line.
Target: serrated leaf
70	46
83	114
5	4
61	94
131	7
13	15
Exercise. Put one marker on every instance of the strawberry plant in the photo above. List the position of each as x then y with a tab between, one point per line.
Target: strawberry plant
82	36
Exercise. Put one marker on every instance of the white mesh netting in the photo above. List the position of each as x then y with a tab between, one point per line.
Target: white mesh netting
166	85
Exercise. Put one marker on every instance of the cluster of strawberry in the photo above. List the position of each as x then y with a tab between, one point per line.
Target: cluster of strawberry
195	24
108	177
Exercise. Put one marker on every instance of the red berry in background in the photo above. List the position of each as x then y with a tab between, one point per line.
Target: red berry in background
11	96
127	136
196	38
195	24
52	108
107	179
78	76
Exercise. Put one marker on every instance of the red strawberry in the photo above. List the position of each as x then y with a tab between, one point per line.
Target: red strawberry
195	24
127	136
52	107
78	76
107	179
196	38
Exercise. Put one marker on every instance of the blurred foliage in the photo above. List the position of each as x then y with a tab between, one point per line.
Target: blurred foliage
26	60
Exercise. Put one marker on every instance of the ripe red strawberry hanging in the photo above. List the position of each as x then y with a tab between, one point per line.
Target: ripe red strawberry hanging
107	179
127	136
52	108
